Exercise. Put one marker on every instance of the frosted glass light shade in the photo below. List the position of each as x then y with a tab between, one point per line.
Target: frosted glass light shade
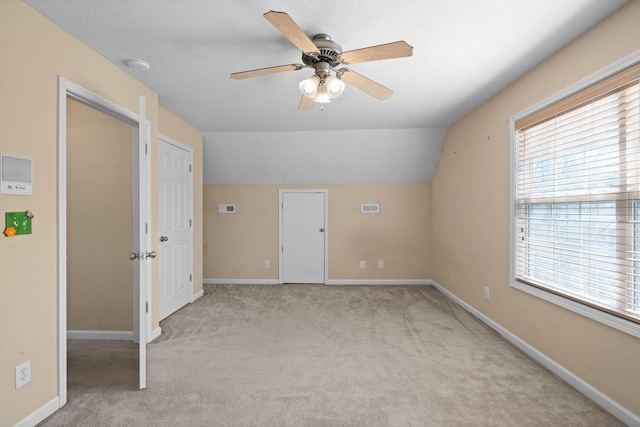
335	86
309	86
322	96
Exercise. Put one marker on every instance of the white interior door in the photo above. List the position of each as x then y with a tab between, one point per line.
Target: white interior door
303	236
142	254
175	187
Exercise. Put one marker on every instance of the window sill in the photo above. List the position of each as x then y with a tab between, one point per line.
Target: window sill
610	320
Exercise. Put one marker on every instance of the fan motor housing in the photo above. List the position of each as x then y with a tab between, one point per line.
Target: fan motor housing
328	51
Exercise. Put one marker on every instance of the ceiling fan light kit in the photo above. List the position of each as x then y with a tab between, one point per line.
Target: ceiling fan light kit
324	55
322	89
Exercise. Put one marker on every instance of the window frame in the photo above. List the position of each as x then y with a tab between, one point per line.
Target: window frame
611	320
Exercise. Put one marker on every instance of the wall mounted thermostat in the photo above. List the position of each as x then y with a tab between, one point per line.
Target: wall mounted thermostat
224	208
15	175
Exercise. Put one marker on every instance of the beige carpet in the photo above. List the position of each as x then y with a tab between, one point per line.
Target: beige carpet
313	355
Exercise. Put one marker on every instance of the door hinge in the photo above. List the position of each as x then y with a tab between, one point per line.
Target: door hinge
191	277
146	228
146	149
189	168
282	249
146	306
189	223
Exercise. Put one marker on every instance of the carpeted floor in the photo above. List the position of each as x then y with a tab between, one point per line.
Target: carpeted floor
314	355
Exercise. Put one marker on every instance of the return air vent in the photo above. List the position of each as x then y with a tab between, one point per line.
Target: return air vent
370	208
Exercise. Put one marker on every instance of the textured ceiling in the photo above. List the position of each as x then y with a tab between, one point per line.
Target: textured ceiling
465	51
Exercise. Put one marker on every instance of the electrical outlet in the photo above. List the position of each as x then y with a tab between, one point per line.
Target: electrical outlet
23	374
362	264
380	264
486	292
267	264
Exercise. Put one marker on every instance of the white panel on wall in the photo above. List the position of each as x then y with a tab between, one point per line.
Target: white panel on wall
370	208
226	209
328	157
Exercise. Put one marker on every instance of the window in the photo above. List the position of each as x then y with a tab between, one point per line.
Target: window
577	196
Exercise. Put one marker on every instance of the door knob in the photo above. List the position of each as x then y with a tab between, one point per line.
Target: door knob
322	230
164	238
133	256
152	254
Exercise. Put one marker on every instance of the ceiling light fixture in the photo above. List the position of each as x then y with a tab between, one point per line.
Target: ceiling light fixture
309	87
138	64
326	56
322	87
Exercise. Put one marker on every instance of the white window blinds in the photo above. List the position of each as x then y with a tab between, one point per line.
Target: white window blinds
577	196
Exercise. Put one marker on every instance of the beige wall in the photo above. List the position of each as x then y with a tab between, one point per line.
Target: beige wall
99	220
236	245
470	191
34	53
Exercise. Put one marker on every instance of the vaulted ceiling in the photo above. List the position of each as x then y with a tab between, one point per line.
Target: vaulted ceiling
465	51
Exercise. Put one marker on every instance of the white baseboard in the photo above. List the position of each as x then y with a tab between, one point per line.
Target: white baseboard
610	405
110	335
379	282
241	281
154	334
100	335
39	414
197	295
328	282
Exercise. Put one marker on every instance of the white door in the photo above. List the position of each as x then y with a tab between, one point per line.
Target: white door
175	186
303	236
142	253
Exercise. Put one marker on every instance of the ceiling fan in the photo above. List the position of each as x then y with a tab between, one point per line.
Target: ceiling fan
324	56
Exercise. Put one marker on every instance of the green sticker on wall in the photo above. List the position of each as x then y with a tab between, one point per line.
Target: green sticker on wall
18	220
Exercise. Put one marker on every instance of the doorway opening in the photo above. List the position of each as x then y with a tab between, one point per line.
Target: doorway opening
100	277
139	239
99	224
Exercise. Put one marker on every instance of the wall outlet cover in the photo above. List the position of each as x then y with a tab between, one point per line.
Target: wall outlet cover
23	374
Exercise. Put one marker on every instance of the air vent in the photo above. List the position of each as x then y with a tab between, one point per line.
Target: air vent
226	209
370	208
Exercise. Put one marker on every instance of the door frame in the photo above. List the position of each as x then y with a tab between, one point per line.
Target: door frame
142	202
326	231
189	150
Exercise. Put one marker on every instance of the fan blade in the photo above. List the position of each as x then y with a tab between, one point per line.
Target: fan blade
365	84
290	30
306	103
264	71
374	53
